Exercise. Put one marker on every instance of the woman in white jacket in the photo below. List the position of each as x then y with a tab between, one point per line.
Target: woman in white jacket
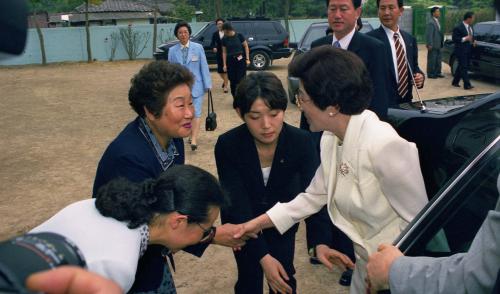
369	177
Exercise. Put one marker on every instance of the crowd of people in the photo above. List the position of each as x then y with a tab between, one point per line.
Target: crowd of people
347	171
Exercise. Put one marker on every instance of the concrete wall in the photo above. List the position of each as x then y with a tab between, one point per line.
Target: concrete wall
69	43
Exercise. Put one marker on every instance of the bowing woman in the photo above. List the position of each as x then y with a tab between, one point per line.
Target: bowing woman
260	163
175	210
369	177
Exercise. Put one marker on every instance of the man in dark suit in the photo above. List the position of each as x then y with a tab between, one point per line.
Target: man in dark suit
398	41
434	43
342	16
463	38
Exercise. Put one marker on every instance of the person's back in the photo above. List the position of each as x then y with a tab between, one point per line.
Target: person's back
109	247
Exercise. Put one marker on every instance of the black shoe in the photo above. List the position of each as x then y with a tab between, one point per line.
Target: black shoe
468	87
455	85
194	147
345	279
440	76
314	260
431	77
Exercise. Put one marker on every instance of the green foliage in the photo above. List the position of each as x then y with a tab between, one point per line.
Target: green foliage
454	16
184	10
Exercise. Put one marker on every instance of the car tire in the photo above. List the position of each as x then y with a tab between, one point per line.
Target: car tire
259	60
453	65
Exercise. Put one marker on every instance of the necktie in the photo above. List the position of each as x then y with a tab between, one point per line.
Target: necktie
184	54
438	24
402	67
469	29
337	44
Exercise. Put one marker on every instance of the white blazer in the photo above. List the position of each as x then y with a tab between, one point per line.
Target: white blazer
371	183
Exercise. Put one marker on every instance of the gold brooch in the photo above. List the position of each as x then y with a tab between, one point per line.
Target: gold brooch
343	169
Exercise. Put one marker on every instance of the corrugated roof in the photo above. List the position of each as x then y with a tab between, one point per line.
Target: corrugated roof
116	6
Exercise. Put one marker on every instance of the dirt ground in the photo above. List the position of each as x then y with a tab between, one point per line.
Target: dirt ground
56	122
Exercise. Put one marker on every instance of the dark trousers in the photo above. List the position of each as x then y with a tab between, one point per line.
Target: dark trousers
250	274
463	69
236	71
433	62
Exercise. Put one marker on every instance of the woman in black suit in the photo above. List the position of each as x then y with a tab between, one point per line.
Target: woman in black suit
260	163
217	49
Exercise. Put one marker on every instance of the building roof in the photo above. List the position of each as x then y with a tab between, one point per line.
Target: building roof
116	6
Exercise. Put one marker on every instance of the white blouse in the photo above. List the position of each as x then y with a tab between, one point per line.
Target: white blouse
110	248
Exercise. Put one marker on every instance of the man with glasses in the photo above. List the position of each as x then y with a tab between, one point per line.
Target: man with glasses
401	52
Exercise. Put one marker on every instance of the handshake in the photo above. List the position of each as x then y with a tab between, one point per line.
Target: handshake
235	236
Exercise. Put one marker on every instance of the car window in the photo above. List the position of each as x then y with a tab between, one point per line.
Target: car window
495	34
481	31
454	217
265	31
243	28
366	28
314	33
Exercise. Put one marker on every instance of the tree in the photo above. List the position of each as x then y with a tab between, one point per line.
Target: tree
184	11
87	32
35	7
155	24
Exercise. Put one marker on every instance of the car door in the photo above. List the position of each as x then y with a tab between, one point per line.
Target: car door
450	221
479	60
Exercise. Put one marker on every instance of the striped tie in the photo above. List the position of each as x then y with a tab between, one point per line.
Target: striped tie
337	44
402	67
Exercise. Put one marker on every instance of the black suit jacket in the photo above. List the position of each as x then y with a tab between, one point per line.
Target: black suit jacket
412	57
238	166
461	48
370	51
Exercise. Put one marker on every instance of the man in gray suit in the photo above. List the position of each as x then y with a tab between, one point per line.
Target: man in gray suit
434	43
473	272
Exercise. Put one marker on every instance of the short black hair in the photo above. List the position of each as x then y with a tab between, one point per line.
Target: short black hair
219	19
334	77
355	3
468	15
152	84
400	3
264	85
227	26
186	189
434	9
180	25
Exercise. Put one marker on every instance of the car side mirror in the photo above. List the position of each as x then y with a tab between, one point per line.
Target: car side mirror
293	45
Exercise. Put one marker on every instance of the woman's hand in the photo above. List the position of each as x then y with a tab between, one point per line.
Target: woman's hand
328	257
248	61
224	68
275	274
224	235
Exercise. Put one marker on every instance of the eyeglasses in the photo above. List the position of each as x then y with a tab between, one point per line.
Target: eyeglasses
208	233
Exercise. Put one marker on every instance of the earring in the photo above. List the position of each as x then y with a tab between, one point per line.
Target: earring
330	114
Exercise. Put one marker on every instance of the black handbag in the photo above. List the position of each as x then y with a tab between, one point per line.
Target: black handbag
211	120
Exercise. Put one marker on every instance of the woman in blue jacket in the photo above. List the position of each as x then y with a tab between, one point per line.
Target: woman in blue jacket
192	56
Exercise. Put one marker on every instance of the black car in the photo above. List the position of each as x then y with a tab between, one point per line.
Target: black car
485	56
315	31
267	40
318	30
459	146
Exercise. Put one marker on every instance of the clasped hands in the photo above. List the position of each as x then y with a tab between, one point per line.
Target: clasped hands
231	235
